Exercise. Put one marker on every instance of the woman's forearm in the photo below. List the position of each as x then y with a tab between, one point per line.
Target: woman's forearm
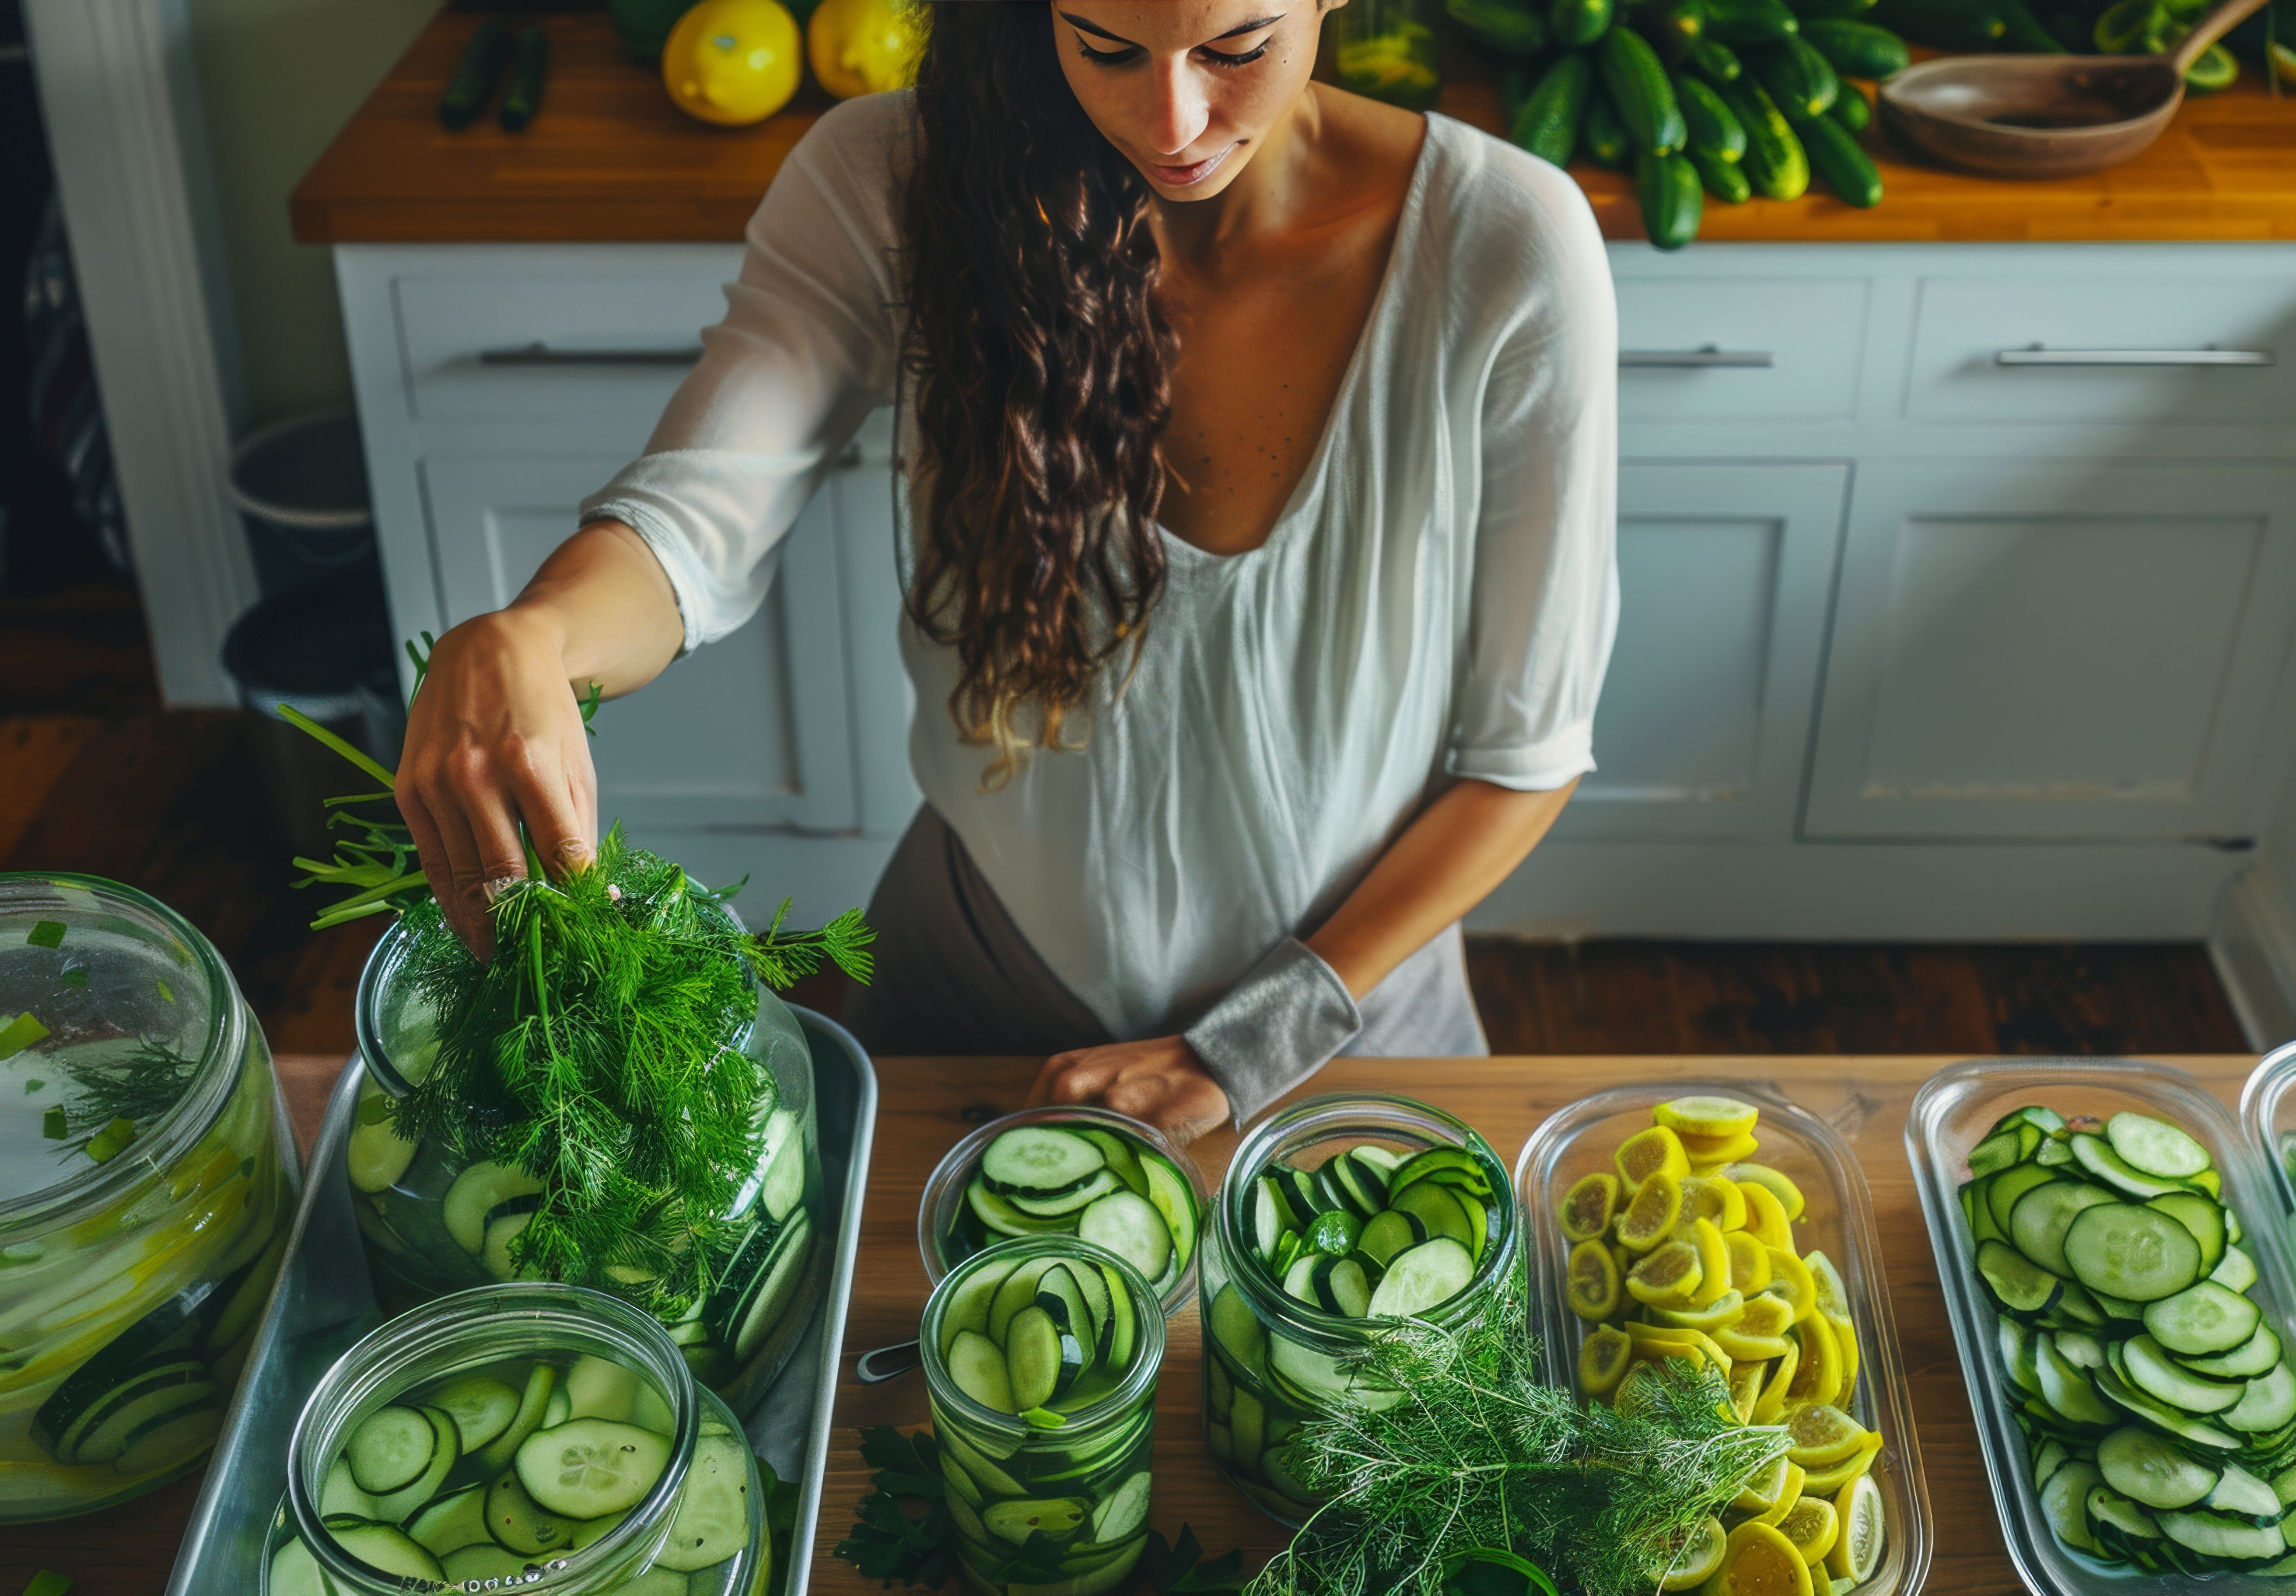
1446	861
603	601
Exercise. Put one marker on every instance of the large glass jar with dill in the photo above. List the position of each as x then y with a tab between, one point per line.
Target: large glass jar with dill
618	1100
1338	1217
147	1183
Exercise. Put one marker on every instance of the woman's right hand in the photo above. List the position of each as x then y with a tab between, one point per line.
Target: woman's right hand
495	739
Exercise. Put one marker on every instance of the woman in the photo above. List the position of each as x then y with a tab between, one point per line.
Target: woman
1258	550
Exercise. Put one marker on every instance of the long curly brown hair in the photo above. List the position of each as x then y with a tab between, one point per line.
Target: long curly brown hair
1043	375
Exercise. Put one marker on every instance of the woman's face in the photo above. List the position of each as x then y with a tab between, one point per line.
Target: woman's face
1187	89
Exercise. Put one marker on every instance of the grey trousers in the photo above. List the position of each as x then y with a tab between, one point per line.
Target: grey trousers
956	975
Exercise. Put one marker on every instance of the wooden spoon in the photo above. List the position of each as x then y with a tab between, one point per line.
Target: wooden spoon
2046	116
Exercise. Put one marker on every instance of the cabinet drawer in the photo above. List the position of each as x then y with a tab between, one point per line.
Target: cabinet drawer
2104	347
1739	349
502	348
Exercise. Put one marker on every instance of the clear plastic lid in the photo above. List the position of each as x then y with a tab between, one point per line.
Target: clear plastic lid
1837	1220
2267	1113
1953	1112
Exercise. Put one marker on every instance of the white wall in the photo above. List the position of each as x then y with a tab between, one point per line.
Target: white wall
279	79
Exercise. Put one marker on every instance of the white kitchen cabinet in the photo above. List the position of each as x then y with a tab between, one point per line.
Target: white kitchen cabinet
1724	571
2053	649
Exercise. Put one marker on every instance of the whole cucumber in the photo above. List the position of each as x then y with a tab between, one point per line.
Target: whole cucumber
1601	135
1640	92
1851	110
1725	180
1574	23
1714	129
1798	78
1809	10
1751	21
1843	167
530	64
1548	121
1672	200
1715	60
1673	26
1856	49
1510	27
2022	30
1775	161
1948	24
476	75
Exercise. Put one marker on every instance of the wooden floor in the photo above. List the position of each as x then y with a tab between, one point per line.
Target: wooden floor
94	777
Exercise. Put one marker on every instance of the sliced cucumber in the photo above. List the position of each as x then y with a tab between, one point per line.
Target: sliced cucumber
2155	1147
2095	1155
1125	1510
1422	1278
2202	1217
2221	1535
2204	1319
1040	1160
541	1385
2044	1212
2065	1503
783	1187
2252	1357
1131	1228
1065	1203
452	1522
2140	1465
477	1193
1175	1201
2065	1387
2237	1491
480	1407
392	1550
2137	1252
2267	1403
1002	1218
712	1521
390	1449
778	1282
2151	1370
589	1468
969	1304
2018	1283
2235	1272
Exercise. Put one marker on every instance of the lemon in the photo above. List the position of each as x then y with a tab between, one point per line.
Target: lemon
1744	1344
1711	1197
1760	1561
1707	1115
1833	1295
1765	1315
1788	1494
1723	1312
1845	1342
862	46
1773	1400
1603	1360
1588	1206
732	61
1777	1185
1713	1264
1790	1278
1700	1557
1669	1277
1656	1208
1839	1477
1592	1287
1812	1526
1857	1549
1822	1435
1714	1152
1818	1380
1648	1154
1766	1218
1750	1262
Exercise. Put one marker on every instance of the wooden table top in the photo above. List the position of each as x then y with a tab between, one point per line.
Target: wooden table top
610	159
926	1105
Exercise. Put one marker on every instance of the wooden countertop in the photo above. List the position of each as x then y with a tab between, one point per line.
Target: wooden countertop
610	159
926	1105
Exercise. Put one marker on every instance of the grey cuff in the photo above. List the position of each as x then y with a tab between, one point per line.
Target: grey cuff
1277	1025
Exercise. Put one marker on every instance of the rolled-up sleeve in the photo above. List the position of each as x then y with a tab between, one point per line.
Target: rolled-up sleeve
1545	596
807	348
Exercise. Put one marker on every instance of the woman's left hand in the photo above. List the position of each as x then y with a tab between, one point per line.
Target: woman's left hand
1161	1081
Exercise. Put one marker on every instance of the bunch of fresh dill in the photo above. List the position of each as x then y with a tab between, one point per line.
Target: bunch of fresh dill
1478	1453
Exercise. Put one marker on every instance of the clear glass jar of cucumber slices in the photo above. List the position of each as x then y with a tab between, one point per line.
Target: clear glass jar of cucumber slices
1040	1358
1336	1214
147	1183
530	1434
1083	1172
436	1219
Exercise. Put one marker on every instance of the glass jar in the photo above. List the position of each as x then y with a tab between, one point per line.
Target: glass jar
1273	1361
147	1183
1058	1499
557	1385
436	1218
948	1233
1385	49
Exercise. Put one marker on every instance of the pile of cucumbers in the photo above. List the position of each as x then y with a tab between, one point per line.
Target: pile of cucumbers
2082	26
2158	1406
1732	98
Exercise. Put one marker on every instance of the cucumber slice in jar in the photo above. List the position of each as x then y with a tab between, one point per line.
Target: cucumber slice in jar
2221	1535
777	1285
2095	1155
2151	1370
2066	1389
977	1364
2237	1491
1069	1202
2267	1403
295	1572
1124	1323
2202	1217
480	1407
490	1561
1040	1160
2140	1465
392	1550
2204	1319
2155	1147
391	1448
2065	1504
1041	1360
2237	1271
712	1521
1132	1229
1390	1233
2003	1190
1002	1218
599	1388
1125	1510
1176	1201
533	1402
2132	1252
783	1187
1425	1276
471	1203
969	1304
1121	1155
2017	1283
2043	1213
452	1522
1239	1332
589	1468
374	1154
1271	1217
2252	1357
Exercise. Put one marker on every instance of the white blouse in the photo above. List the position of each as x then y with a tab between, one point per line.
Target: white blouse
1436	600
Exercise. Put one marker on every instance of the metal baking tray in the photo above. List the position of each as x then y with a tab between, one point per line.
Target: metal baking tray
1951	1113
325	1301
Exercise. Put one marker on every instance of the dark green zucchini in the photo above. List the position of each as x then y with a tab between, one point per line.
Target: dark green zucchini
1671	200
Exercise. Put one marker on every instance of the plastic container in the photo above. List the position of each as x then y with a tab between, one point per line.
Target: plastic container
2267	1113
131	1285
505	1332
1950	1115
736	1339
944	1197
1255	1330
1838	1220
1083	1486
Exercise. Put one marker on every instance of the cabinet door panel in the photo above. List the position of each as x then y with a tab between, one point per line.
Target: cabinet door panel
752	731
1809	334
1723	577
2058	649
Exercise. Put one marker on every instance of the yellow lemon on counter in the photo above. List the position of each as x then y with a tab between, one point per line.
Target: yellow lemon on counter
732	61
862	46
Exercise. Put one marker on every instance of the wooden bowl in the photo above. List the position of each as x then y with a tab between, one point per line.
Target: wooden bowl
2033	116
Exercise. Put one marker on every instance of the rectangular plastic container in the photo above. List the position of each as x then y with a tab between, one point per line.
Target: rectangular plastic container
325	1301
1838	1220
1950	1115
2267	1113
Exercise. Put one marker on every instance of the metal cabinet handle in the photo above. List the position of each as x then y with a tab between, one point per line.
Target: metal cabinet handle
541	353
1705	358
2036	355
